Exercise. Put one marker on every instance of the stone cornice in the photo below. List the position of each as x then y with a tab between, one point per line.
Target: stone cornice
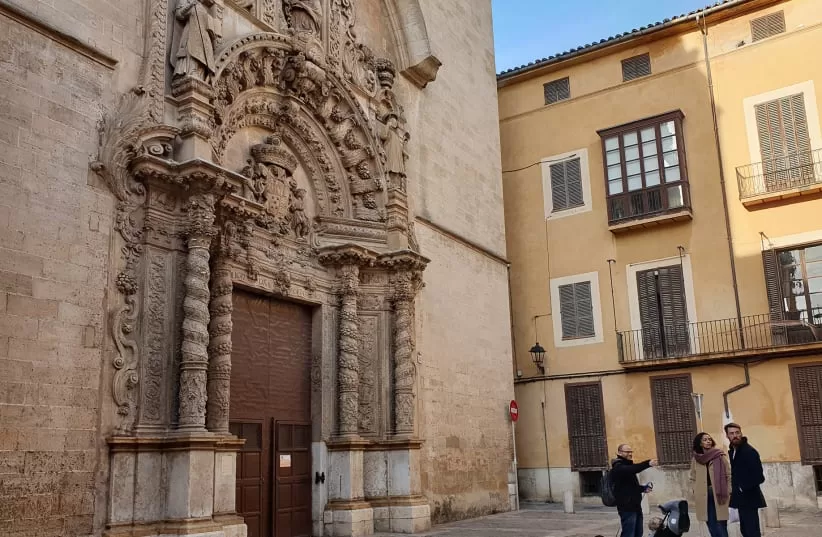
347	254
403	260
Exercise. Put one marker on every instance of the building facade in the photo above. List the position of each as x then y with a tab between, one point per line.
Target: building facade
661	190
234	283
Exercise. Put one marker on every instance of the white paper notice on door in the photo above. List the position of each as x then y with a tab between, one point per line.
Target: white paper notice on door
285	461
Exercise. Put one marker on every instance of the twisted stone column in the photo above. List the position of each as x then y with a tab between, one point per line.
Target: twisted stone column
404	368
195	320
219	350
348	361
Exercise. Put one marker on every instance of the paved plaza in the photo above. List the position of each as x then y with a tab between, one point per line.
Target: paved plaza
548	520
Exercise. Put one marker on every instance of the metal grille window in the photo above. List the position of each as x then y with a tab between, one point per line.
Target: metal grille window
636	67
590	483
806	383
557	90
817	474
645	171
576	310
566	185
767	26
586	426
674	418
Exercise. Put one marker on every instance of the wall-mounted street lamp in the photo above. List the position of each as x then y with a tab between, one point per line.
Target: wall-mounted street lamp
537	351
538	356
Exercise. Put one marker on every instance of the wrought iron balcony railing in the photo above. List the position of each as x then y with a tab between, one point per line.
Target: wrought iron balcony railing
780	174
649	202
681	340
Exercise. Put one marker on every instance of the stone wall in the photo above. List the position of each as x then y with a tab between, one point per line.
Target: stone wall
55	230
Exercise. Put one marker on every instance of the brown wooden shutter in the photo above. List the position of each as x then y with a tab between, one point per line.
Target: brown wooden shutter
649	314
573	182
767	26
784	140
557	90
773	284
587	441
576	310
674	418
585	309
806	383
636	67
559	191
674	310
566	185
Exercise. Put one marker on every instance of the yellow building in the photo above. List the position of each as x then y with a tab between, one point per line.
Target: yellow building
663	194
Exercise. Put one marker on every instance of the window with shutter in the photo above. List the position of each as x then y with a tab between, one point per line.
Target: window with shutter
674	418
663	312
784	141
566	185
636	67
576	310
806	384
767	26
586	426
557	90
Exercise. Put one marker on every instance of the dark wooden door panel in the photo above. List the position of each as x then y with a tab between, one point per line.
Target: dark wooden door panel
293	475
270	385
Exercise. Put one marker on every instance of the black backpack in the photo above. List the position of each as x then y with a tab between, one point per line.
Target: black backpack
607	488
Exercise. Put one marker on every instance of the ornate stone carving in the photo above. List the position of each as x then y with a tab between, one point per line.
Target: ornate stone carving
195	322
219	348
153	74
299	221
391	128
304	16
413	243
348	360
301	83
154	366
120	134
368	358
353	60
192	49
405	371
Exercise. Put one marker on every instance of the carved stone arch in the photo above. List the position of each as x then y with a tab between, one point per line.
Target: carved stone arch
416	60
264	75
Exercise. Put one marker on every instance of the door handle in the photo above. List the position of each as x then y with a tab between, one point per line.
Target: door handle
319	478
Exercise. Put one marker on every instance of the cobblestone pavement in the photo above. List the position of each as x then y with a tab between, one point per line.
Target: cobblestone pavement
547	520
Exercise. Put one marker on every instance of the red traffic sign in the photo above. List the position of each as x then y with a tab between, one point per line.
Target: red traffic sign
513	410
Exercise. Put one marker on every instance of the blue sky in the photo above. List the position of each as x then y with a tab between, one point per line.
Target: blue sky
525	30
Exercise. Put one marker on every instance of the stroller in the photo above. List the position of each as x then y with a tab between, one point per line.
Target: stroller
674	520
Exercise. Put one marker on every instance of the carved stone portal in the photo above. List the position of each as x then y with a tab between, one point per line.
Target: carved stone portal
281	181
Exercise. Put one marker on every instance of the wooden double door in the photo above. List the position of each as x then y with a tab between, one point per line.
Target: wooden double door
271	409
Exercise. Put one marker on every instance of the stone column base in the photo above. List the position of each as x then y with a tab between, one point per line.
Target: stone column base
187	528
402	515
348	519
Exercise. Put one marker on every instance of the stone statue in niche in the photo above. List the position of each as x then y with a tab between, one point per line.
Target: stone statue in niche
192	48
391	127
299	221
303	16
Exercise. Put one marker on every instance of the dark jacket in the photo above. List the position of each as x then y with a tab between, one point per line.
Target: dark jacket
746	476
627	490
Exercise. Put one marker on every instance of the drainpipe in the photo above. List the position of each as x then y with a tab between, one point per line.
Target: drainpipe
511	320
545	436
736	388
704	30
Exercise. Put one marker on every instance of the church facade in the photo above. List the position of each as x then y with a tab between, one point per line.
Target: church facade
253	268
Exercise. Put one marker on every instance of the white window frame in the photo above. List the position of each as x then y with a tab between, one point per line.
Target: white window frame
596	306
633	292
811	109
790	241
585	178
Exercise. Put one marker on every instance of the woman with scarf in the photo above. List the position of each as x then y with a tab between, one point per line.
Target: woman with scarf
711	484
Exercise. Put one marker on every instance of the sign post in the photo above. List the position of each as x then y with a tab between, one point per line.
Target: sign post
513	412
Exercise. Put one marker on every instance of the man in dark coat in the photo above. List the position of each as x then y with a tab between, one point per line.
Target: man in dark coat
746	477
627	490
